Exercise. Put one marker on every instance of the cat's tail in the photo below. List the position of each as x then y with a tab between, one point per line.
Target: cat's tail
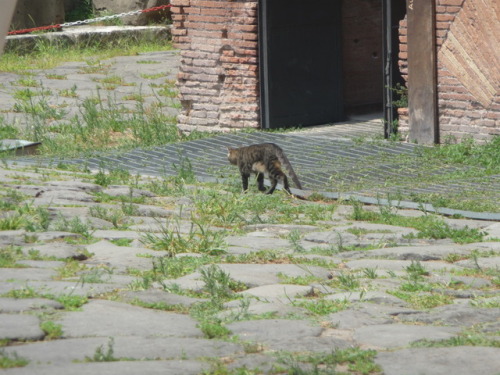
286	163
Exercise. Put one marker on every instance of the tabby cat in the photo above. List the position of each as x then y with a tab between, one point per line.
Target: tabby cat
264	159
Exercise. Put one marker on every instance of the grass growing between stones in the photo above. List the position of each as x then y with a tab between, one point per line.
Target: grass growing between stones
354	360
471	337
8	360
429	226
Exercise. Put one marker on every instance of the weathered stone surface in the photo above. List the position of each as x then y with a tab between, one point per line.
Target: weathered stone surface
121	257
398	265
160	296
112	368
365	314
254	275
26	274
257	306
120	191
256	243
55	249
12	237
375	297
20	327
281	229
454	315
18	305
130	347
369	234
460	360
111	319
385	336
281	291
490	262
417	253
57	288
290	335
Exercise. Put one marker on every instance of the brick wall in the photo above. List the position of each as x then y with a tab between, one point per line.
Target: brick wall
468	68
218	78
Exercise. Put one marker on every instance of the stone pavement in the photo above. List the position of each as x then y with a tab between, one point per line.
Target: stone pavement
338	160
76	299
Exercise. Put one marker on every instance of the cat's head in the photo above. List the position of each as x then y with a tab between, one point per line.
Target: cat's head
232	155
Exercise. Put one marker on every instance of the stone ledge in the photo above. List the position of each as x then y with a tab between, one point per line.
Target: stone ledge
86	34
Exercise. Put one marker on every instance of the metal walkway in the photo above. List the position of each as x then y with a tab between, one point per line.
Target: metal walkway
337	167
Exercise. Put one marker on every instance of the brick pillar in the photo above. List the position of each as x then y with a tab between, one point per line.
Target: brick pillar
218	75
468	68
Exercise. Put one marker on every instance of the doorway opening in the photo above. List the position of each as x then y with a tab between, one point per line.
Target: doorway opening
326	61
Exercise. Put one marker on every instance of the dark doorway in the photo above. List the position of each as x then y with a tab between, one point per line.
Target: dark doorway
300	63
362	57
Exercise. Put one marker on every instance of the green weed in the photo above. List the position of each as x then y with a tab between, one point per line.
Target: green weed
423	300
199	239
52	330
11	360
103	355
322	306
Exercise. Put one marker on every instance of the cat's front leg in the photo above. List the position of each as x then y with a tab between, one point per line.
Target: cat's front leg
260	182
244	181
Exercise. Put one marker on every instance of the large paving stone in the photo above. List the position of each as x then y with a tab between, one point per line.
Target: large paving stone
460	315
26	274
460	360
281	229
107	318
160	296
420	253
56	249
54	235
483	263
290	335
254	275
20	327
74	185
115	368
255	243
121	257
364	314
120	190
12	237
397	265
42	263
258	306
116	234
385	336
13	305
369	234
372	296
62	197
283	292
493	231
60	287
130	347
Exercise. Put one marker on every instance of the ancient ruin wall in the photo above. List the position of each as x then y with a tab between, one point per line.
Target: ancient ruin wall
468	68
218	78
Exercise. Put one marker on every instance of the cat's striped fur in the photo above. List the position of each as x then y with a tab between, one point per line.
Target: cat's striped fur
266	159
